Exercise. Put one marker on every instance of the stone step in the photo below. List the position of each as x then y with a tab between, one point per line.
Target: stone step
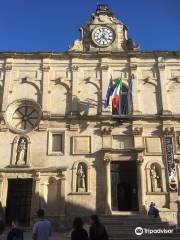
123	227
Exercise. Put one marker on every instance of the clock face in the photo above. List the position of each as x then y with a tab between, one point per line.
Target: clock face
103	36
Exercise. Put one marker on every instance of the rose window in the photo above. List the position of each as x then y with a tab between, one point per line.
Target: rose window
25	117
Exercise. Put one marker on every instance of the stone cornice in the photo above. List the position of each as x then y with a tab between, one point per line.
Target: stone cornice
66	55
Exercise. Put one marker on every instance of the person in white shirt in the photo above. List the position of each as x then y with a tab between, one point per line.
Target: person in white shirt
42	229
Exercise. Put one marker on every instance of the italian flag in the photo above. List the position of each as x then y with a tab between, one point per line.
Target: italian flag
117	94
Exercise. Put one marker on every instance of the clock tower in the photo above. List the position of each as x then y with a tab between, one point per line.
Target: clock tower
103	32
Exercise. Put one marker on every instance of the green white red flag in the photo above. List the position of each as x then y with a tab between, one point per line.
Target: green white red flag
117	94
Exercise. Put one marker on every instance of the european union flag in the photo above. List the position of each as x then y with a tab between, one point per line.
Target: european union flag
108	94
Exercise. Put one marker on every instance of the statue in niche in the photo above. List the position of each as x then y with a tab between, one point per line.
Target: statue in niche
155	179
81	178
21	155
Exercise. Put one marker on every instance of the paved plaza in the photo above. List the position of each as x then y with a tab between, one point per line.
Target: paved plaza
55	236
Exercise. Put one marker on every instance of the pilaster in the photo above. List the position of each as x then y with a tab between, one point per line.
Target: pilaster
141	187
163	82
75	73
105	78
36	193
45	68
107	161
61	181
7	81
136	92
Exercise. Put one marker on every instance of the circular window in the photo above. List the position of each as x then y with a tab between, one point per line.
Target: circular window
23	116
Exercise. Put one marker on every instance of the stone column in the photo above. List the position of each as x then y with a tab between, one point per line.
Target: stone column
163	82
7	82
105	78
107	161
141	186
62	193
74	79
36	196
45	86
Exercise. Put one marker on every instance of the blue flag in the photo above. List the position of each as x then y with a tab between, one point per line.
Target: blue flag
108	94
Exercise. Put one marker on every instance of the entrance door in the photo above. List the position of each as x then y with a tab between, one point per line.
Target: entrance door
18	206
124	193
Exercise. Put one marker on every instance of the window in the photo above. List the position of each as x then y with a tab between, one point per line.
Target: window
23	116
55	143
123	103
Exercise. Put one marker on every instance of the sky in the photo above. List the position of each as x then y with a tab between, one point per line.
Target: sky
52	25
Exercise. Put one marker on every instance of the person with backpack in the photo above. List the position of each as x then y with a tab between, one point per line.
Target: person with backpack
15	233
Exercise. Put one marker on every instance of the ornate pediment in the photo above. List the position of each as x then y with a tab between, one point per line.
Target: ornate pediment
103	32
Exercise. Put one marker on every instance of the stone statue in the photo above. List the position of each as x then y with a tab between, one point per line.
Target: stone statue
155	180
77	46
81	179
21	156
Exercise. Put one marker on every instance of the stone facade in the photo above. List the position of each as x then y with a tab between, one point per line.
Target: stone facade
55	131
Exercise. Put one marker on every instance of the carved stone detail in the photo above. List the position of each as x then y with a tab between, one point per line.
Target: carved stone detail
45	68
168	131
73	127
76	46
155	179
138	131
8	67
140	160
21	154
37	176
106	130
75	68
104	67
81	178
107	158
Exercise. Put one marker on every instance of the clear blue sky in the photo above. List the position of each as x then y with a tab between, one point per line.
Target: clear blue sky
51	25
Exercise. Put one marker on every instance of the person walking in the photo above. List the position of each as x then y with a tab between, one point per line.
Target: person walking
42	229
79	233
153	211
15	233
97	230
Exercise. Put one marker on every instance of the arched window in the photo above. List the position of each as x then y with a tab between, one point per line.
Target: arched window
123	108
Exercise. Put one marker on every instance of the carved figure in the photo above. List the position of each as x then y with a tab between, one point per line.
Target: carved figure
155	180
81	179
21	156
